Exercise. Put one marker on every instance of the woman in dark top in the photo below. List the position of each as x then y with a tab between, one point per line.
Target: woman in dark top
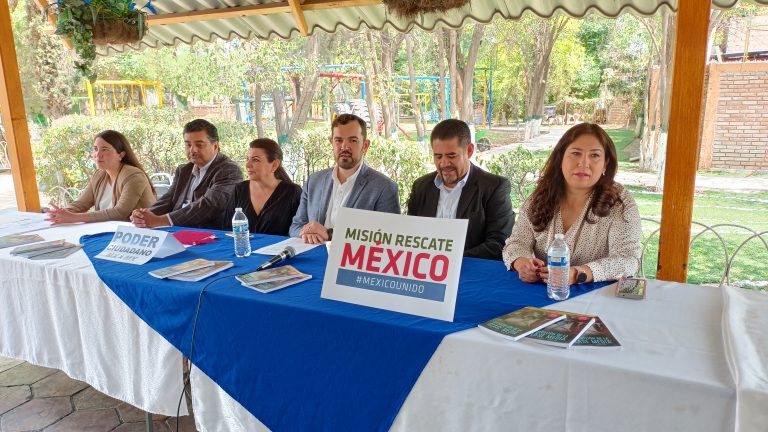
268	198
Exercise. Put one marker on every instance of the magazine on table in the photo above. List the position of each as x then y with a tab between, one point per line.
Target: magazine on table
564	332
31	250
522	322
597	336
19	239
66	250
202	273
184	267
268	275
268	287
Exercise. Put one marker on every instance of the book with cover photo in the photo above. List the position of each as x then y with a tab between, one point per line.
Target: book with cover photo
564	332
268	287
597	336
18	240
268	275
202	273
522	322
184	267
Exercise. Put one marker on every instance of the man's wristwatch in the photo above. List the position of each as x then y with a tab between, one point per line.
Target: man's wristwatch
581	275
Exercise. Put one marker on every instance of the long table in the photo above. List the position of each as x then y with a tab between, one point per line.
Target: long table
59	314
672	374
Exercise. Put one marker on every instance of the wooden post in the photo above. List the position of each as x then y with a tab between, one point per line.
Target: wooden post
15	118
683	140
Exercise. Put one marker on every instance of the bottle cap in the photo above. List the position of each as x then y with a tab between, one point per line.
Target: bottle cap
559	236
237	209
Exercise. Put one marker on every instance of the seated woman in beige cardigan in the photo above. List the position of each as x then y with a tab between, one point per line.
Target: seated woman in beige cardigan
119	186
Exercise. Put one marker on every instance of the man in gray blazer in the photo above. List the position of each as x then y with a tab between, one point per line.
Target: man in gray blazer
200	189
350	183
462	190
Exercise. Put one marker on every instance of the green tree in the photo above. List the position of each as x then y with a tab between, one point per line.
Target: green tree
47	76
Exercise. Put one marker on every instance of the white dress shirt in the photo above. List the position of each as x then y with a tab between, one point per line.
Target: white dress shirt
448	202
339	195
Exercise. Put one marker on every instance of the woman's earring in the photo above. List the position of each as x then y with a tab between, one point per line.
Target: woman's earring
603	173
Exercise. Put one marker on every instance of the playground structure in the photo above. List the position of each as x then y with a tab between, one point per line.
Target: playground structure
113	95
346	93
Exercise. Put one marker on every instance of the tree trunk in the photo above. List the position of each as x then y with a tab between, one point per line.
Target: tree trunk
441	70
257	92
370	86
281	118
386	114
415	104
305	90
549	30
452	54
467	104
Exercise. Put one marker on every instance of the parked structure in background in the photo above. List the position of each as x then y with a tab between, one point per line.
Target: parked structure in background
104	95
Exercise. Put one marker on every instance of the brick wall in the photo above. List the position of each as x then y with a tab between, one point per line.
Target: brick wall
740	138
619	112
226	111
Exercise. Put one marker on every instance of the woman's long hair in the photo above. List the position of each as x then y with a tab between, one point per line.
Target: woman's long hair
274	152
120	143
550	189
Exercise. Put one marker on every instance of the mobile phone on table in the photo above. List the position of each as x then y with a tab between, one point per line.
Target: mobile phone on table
631	288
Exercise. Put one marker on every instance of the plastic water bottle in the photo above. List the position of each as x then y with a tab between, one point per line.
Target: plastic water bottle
559	269
241	234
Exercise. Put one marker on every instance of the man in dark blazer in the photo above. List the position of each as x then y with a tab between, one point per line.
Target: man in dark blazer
200	189
461	190
349	183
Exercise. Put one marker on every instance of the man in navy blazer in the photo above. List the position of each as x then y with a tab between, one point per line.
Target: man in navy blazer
349	183
200	189
462	190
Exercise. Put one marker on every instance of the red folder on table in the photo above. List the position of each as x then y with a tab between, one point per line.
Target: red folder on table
191	238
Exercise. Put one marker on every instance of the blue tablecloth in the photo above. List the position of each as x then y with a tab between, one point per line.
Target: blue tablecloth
297	361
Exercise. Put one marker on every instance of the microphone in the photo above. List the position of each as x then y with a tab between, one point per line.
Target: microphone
288	252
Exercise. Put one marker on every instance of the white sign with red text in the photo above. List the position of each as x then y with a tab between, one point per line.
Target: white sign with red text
400	263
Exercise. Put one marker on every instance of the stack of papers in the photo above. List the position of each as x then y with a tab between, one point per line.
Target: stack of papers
191	271
269	280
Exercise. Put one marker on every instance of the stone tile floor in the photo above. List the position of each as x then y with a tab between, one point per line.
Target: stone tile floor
34	398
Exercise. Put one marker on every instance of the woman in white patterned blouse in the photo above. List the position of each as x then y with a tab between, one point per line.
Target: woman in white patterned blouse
577	196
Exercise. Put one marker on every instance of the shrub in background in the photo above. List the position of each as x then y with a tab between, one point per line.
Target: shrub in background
62	157
401	160
307	152
521	167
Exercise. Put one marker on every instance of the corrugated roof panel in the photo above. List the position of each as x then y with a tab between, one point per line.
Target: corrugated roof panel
372	16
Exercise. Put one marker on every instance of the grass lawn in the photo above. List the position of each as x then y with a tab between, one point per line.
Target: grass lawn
621	139
707	260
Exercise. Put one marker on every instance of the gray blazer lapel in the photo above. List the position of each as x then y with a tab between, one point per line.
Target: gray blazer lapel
357	188
324	194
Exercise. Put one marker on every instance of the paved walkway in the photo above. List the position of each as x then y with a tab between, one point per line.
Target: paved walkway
34	398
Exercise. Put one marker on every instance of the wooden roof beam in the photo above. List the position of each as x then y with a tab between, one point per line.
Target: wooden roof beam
261	9
298	15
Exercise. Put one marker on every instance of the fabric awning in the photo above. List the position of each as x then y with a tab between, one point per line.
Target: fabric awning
187	21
